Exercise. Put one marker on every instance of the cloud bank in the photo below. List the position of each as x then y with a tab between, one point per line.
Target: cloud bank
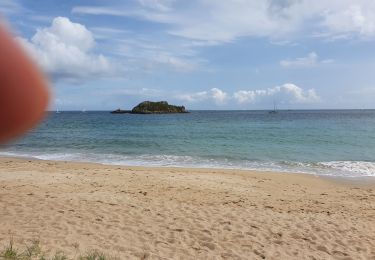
215	94
225	21
285	94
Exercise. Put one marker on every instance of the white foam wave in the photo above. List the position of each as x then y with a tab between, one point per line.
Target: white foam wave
153	160
333	168
355	168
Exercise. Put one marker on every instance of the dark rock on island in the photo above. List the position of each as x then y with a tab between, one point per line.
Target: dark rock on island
120	111
148	107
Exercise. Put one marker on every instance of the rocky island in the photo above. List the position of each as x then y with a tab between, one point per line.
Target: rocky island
149	107
120	111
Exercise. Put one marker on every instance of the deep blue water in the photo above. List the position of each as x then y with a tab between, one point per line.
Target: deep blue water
332	142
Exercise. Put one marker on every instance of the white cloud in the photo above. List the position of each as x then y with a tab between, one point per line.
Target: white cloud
353	18
152	53
214	21
310	60
224	21
107	33
160	5
170	60
248	96
141	12
194	97
65	51
148	52
219	96
287	93
214	94
98	10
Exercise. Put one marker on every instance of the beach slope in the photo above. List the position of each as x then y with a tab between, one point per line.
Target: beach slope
179	213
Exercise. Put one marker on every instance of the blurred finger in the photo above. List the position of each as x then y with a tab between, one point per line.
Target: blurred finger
23	89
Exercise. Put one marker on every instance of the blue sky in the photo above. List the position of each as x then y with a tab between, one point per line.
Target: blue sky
205	54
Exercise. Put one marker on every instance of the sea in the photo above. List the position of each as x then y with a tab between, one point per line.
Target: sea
339	143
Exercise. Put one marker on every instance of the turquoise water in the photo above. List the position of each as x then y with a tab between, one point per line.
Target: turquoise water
338	143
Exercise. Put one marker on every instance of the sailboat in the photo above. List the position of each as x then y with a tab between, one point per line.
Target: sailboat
57	111
274	111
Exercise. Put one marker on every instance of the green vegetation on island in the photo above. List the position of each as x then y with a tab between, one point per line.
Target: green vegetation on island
149	107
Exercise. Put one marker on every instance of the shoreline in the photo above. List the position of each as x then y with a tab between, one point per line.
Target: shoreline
346	179
165	212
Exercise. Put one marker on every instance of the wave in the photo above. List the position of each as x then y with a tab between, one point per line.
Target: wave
361	168
146	160
332	168
336	168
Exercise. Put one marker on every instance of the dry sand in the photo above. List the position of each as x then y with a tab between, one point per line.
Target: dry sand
169	213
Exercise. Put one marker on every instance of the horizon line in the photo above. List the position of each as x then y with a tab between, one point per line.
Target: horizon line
297	109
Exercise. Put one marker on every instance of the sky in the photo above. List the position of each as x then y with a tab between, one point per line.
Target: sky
204	54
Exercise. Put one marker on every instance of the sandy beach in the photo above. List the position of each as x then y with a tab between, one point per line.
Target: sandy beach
180	213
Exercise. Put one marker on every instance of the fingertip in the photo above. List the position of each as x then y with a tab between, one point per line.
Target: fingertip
24	93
